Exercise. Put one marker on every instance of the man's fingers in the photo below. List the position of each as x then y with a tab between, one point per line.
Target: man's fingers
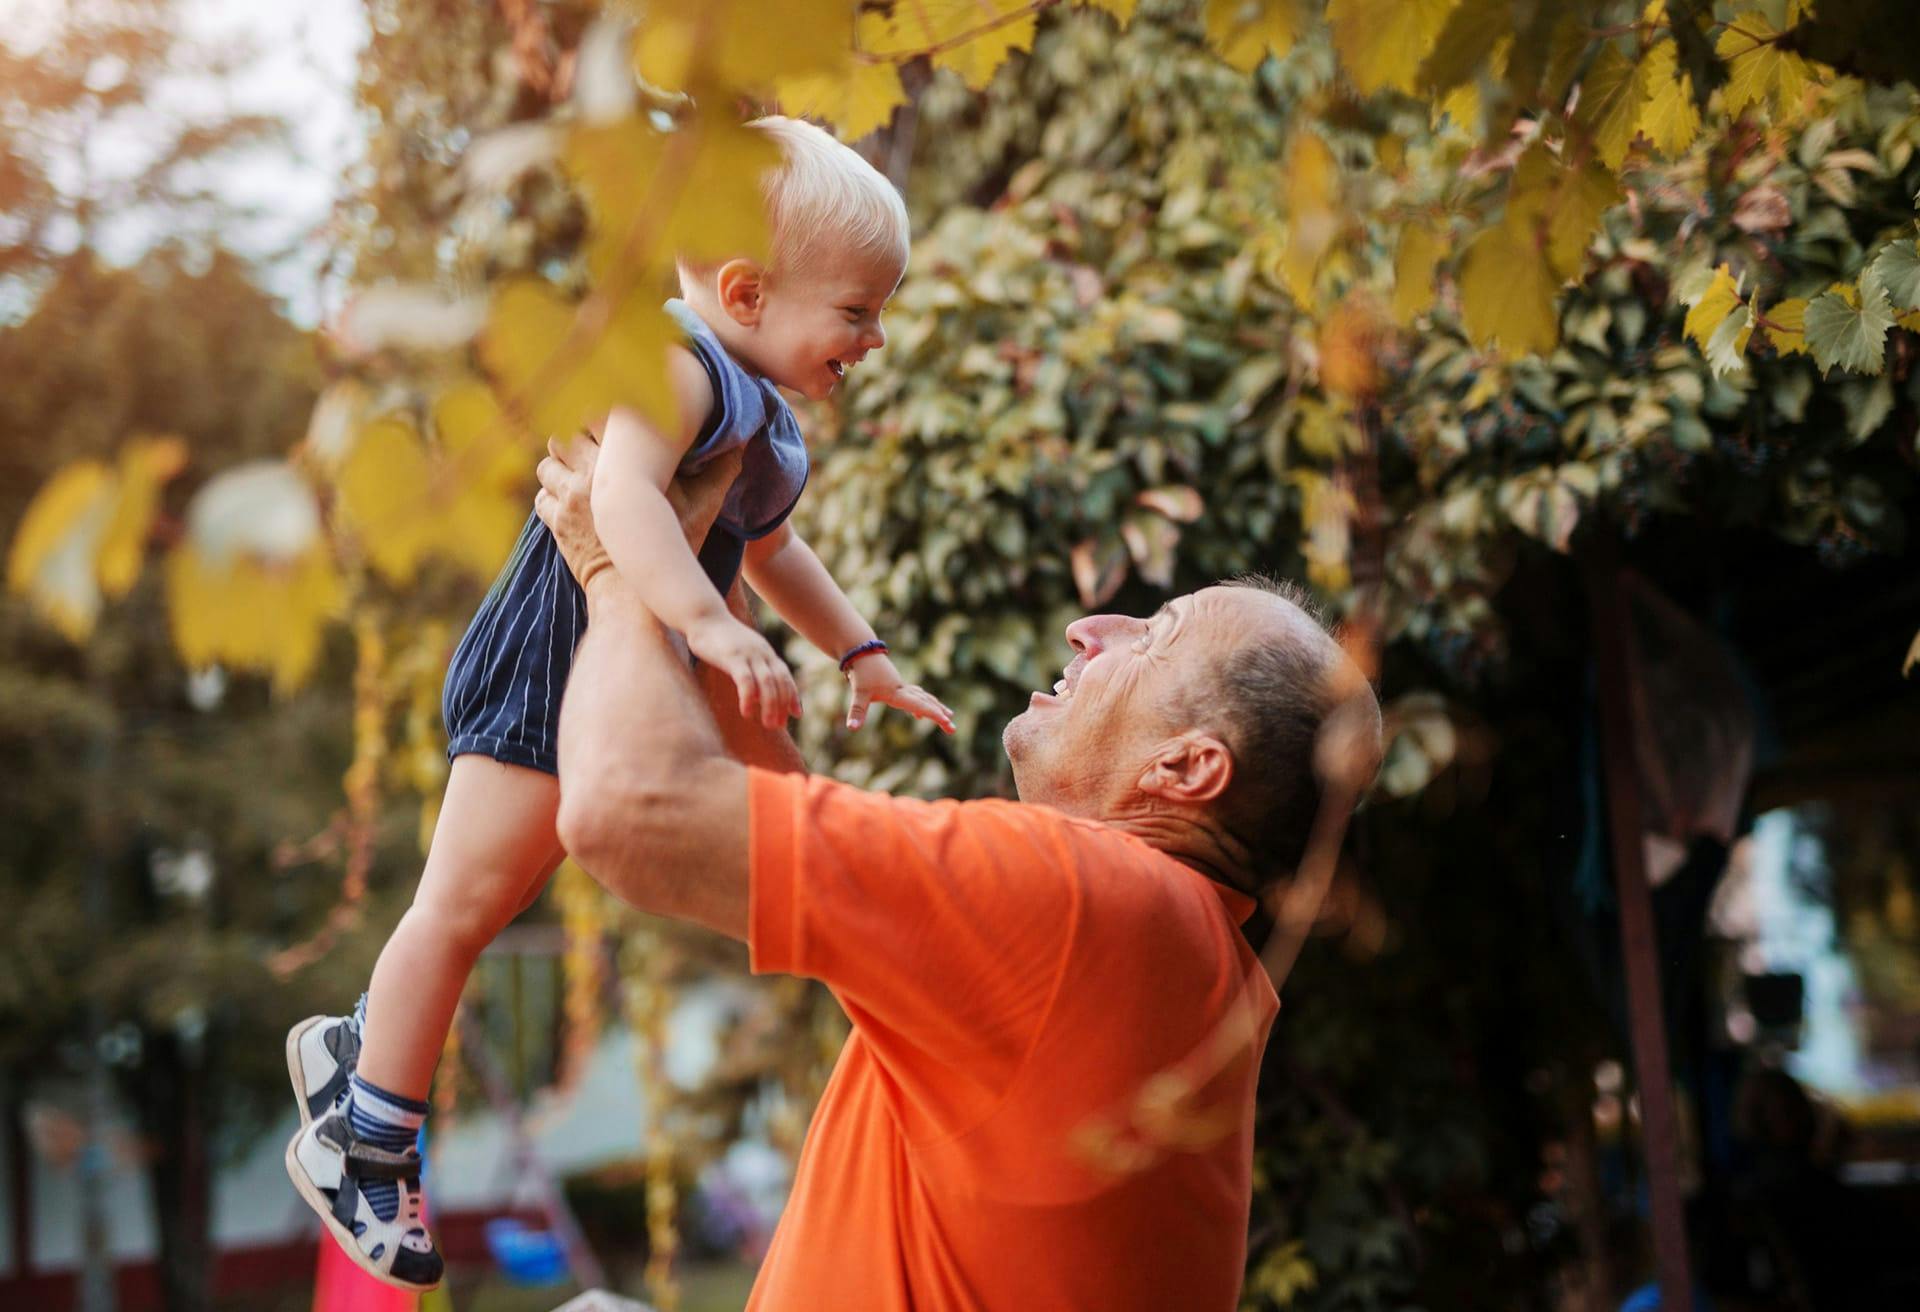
776	706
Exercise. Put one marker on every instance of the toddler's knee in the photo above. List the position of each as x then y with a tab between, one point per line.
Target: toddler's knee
465	925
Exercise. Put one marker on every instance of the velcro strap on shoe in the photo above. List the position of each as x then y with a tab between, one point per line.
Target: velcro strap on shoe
366	1162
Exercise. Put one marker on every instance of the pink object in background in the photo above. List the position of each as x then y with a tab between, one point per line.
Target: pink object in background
340	1286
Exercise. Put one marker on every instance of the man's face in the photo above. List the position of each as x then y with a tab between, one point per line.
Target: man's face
1083	746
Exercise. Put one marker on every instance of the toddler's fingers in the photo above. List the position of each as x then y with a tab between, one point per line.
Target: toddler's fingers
857	709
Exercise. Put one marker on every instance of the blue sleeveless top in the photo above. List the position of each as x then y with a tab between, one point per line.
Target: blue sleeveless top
502	694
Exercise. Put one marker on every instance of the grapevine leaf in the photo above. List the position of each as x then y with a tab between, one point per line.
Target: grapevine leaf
1898	270
1670	119
1382	43
1713	307
1850	336
1611	97
1244	32
1507	291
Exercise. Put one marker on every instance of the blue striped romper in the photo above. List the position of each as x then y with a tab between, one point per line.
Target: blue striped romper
502	695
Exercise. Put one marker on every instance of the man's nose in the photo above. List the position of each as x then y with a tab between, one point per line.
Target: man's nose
1088	636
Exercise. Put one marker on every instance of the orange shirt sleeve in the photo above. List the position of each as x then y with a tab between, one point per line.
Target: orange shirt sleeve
942	927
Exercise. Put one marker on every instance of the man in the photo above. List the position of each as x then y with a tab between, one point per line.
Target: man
1047	1097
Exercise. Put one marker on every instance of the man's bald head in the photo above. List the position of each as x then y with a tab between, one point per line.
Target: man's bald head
1206	711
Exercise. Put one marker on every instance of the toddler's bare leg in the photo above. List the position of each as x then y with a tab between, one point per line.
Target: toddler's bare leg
493	848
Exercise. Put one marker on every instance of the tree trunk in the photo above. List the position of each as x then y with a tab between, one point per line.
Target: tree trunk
172	1101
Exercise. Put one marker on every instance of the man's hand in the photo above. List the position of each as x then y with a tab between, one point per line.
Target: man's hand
564	502
873	678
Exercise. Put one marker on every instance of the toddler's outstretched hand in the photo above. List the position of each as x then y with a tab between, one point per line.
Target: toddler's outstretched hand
765	684
873	678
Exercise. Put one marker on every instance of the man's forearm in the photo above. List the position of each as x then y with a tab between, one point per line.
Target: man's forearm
640	762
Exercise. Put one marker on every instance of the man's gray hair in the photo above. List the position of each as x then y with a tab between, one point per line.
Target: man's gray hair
1267	700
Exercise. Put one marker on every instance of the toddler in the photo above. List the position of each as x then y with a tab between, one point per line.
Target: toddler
800	322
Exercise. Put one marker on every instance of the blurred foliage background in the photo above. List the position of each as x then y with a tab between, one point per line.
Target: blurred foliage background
1419	302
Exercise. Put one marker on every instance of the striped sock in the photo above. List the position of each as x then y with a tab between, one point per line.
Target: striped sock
385	1120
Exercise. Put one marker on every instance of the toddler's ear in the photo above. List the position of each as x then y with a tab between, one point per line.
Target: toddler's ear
741	287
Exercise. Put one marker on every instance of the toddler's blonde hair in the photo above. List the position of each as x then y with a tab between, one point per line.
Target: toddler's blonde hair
825	202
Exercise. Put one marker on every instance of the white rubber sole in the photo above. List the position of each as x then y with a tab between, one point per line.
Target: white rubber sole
297	1069
342	1236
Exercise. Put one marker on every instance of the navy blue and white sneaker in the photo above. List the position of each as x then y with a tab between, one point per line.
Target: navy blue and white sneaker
327	1164
322	1052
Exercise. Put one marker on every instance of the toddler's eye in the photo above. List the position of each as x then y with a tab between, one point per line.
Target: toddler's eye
854	311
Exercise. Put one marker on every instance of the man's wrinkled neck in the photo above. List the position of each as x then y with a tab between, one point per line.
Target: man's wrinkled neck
1194	840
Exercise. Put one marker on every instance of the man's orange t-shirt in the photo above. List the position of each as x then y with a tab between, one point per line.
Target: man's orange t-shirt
1046	1101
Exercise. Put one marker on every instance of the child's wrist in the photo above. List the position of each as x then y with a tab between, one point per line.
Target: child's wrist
871	647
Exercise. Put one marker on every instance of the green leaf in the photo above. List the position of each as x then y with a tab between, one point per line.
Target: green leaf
1867	402
1852	337
1898	270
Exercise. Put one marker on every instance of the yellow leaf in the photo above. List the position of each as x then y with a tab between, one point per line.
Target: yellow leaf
1463	107
563	367
1350	348
52	562
1414	261
252	585
1244	32
1786	326
1611	97
971	37
1563	204
146	465
1326	512
1713	306
1120	9
463	503
1382	43
1759	67
1670	119
1309	193
480	441
740	43
1507	292
856	101
692	194
250	613
385	494
84	535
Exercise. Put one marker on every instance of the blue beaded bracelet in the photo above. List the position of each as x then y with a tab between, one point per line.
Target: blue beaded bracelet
866	648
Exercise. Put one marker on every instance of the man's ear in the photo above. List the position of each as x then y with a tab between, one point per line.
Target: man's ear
742	289
1193	768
